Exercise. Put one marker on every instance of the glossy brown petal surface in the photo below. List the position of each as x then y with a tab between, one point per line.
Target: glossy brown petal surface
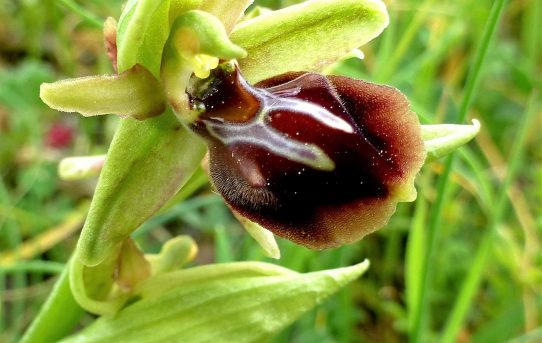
321	161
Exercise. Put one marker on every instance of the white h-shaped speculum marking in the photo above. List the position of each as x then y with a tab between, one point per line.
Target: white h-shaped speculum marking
258	133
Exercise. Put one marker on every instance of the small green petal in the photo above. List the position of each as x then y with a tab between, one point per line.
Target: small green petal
198	32
134	93
265	238
442	139
175	253
308	36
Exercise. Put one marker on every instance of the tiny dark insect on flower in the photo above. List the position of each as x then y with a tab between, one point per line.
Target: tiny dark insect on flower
320	160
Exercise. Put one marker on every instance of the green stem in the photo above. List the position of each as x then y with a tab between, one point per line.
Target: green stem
58	316
422	313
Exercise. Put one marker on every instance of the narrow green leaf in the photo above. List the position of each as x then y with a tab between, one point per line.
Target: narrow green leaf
134	93
242	309
442	139
308	36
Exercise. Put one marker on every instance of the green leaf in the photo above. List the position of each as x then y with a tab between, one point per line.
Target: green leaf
134	93
308	36
235	309
442	139
147	164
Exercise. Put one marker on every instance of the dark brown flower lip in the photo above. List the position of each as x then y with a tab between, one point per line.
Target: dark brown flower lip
319	160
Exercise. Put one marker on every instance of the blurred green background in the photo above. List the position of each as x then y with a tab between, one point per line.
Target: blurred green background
461	265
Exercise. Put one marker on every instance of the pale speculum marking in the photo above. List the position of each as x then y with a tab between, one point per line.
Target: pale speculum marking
258	132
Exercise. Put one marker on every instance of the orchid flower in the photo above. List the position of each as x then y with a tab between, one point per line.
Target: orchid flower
320	160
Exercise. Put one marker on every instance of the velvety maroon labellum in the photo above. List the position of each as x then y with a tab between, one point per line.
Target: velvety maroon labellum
320	160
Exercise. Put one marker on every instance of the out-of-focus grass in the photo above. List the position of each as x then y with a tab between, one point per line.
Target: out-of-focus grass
484	279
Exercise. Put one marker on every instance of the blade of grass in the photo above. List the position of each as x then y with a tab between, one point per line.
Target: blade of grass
406	40
87	16
10	231
472	281
415	252
422	313
36	266
46	240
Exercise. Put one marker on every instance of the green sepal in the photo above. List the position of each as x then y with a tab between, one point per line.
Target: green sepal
221	309
442	139
143	30
308	36
134	93
148	162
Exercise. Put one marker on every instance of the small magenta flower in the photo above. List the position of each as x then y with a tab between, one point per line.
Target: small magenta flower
59	136
320	160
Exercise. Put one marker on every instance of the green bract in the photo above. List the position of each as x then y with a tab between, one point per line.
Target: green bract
249	304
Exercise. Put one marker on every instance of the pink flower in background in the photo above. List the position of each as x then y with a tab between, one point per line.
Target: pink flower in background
59	136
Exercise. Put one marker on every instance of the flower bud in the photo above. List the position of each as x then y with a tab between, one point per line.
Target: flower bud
320	160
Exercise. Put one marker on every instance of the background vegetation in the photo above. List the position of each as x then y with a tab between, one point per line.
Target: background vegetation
462	263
